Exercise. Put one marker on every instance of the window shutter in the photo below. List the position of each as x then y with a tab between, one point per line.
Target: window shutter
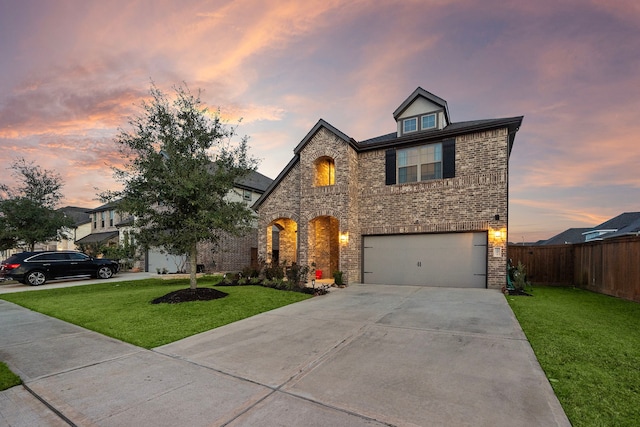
390	167
449	158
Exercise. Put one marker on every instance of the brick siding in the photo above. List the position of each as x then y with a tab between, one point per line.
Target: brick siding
364	205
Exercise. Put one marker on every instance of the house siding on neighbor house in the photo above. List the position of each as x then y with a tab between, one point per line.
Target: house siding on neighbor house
233	253
333	226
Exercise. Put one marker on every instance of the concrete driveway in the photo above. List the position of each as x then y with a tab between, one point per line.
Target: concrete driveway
367	355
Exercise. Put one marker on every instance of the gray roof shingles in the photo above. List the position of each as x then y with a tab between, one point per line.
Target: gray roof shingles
570	236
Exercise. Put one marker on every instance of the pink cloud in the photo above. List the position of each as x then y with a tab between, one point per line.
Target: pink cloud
569	67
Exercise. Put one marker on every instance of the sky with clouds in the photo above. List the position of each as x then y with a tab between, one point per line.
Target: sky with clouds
73	71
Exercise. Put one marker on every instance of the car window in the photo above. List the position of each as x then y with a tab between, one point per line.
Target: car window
75	256
48	257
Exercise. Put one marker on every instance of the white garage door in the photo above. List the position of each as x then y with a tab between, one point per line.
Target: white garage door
448	259
159	261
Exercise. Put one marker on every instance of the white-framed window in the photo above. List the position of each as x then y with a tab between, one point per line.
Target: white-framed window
419	163
246	195
111	218
410	125
428	121
102	217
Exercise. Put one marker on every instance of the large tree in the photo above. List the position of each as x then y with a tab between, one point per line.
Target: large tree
28	212
181	163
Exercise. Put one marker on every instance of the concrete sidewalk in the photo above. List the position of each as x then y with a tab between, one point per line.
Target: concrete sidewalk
13	286
367	355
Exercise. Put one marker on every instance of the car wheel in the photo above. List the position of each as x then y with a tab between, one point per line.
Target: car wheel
105	272
36	278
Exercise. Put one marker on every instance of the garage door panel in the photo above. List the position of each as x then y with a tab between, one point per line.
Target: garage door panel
448	259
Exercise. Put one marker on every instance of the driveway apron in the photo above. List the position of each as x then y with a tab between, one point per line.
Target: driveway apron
366	355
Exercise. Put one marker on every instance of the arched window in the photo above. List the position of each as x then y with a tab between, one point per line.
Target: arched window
325	171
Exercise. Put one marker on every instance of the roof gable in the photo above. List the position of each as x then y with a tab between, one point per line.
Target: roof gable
421	93
315	129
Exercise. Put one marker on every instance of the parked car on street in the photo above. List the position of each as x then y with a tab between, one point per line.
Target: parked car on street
35	268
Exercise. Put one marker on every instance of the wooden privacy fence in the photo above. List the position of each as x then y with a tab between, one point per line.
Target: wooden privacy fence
610	267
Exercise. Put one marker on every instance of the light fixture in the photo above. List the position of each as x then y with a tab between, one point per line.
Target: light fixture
313	283
497	234
344	237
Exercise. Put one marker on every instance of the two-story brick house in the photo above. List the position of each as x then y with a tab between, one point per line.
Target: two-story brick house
425	205
110	227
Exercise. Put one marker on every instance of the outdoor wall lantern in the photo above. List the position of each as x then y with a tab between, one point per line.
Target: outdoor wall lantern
313	283
344	237
497	234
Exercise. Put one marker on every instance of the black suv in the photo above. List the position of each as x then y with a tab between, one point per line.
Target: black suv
35	268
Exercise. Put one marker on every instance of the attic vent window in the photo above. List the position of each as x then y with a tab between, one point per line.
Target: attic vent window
410	125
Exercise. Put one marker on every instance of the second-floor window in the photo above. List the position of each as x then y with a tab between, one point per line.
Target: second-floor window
111	217
419	163
325	172
102	216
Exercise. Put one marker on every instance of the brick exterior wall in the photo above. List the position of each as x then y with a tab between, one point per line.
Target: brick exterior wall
362	204
232	254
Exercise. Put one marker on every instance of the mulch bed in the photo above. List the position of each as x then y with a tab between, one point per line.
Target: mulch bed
186	295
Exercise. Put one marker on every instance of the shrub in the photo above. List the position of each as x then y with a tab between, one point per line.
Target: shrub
520	277
337	277
297	275
274	271
250	272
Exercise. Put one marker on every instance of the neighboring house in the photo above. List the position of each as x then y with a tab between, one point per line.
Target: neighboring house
68	236
236	253
106	226
567	237
81	227
623	224
109	227
424	205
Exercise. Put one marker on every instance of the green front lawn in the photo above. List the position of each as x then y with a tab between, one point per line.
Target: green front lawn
589	346
123	310
7	378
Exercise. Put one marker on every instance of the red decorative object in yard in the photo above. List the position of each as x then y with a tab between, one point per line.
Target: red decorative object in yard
318	274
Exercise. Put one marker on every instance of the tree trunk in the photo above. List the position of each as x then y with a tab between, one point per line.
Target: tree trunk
193	258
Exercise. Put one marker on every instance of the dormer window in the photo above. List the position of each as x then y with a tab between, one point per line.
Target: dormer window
428	121
410	125
420	122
